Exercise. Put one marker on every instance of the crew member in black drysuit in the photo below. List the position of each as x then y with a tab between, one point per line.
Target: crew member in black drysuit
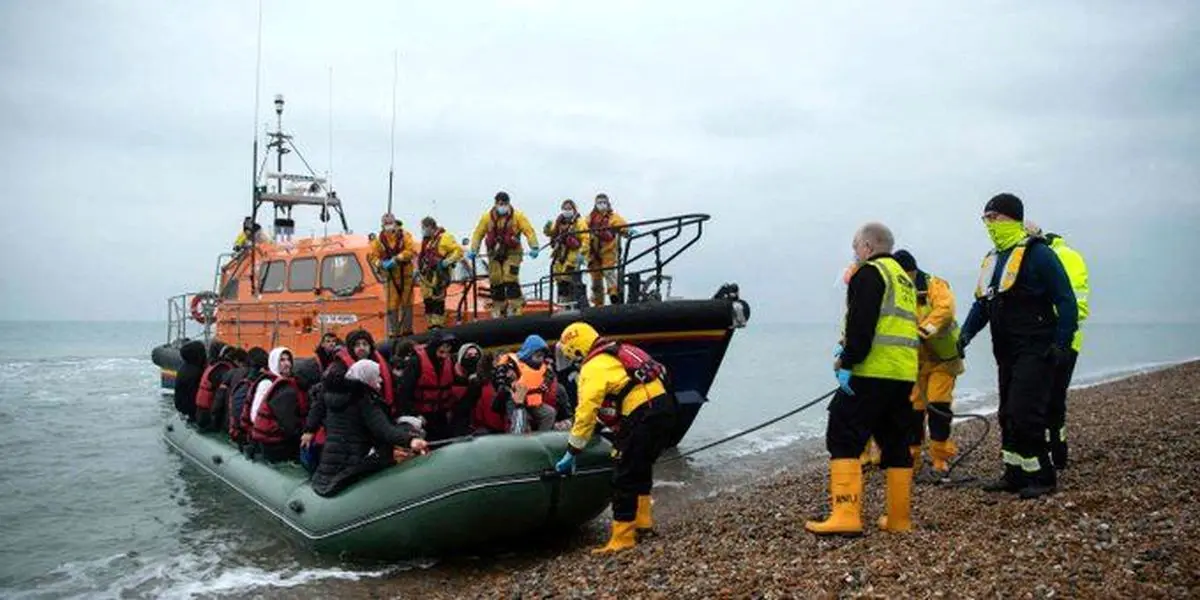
1025	296
187	378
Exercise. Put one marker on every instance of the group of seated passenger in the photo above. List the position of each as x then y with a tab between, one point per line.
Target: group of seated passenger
357	408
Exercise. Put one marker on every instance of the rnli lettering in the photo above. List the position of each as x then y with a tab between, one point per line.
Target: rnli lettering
844	498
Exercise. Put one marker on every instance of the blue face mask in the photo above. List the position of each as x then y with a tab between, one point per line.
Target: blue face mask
502	209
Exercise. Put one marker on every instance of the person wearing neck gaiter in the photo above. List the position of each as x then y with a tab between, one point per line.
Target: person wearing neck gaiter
1025	296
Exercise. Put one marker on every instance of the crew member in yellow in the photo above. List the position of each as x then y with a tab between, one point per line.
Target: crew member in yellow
250	230
502	228
625	389
392	253
875	369
605	225
568	238
1077	272
439	253
940	365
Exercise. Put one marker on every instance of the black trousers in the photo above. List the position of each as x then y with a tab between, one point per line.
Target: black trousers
641	438
1057	414
1025	381
879	408
437	425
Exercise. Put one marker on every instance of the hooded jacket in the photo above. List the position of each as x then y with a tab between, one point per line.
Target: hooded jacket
359	435
187	379
286	402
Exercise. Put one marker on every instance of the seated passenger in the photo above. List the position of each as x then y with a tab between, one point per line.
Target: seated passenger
210	383
490	414
327	350
187	378
278	410
431	385
468	386
360	345
217	415
535	380
241	385
359	435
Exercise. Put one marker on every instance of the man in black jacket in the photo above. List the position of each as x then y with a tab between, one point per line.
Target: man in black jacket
187	379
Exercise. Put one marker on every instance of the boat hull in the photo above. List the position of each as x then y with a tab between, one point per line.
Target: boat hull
465	495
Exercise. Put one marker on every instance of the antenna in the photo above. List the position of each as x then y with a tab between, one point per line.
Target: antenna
329	174
392	164
254	166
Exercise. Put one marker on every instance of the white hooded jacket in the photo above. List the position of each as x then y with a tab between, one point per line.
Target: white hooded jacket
260	391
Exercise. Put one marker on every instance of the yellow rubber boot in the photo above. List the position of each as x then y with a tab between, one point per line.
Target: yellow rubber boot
644	521
622	538
845	490
942	453
899	501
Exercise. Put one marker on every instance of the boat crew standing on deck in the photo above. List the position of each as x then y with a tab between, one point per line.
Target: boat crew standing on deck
939	363
624	388
1026	297
502	227
604	225
1077	272
875	370
569	239
392	253
439	253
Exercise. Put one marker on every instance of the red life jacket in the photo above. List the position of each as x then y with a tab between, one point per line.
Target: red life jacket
435	390
245	386
483	417
639	366
385	374
244	425
564	234
390	251
502	234
600	220
430	257
208	387
264	428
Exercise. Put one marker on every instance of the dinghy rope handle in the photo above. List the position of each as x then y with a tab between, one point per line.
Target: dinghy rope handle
203	307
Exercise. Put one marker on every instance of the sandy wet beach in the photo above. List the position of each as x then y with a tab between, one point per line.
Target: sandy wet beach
1124	524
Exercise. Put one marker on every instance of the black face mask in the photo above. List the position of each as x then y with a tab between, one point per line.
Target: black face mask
470	364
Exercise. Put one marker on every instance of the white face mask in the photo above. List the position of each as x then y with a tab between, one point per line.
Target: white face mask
428	232
502	209
602	206
568	213
390	227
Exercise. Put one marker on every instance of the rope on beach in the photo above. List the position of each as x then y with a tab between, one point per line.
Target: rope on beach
987	427
739	434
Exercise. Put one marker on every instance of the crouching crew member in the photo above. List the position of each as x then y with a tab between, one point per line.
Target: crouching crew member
875	371
623	388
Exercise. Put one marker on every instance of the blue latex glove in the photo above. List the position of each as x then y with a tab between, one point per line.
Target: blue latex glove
445	264
843	377
838	350
472	255
566	464
631	232
533	252
389	263
580	260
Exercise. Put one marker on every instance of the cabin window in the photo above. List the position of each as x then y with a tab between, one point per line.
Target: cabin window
230	291
271	276
341	273
304	275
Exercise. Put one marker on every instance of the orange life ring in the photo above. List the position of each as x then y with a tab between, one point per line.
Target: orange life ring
198	304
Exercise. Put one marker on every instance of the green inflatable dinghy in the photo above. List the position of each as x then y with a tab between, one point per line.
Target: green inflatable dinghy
460	496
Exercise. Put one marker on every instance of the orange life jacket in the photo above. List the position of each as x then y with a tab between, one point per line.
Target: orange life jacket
534	380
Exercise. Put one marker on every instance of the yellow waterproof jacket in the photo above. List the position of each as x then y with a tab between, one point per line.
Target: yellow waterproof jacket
555	228
605	242
516	223
1073	263
448	248
933	318
600	376
390	245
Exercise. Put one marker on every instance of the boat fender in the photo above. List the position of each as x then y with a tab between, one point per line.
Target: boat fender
296	506
217	459
170	427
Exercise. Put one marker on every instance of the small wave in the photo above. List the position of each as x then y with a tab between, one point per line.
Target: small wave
241	580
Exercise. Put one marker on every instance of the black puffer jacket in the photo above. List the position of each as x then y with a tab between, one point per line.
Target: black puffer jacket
355	423
187	379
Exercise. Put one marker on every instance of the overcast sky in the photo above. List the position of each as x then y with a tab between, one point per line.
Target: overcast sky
126	131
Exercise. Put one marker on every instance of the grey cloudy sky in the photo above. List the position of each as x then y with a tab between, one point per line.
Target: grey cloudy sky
125	133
